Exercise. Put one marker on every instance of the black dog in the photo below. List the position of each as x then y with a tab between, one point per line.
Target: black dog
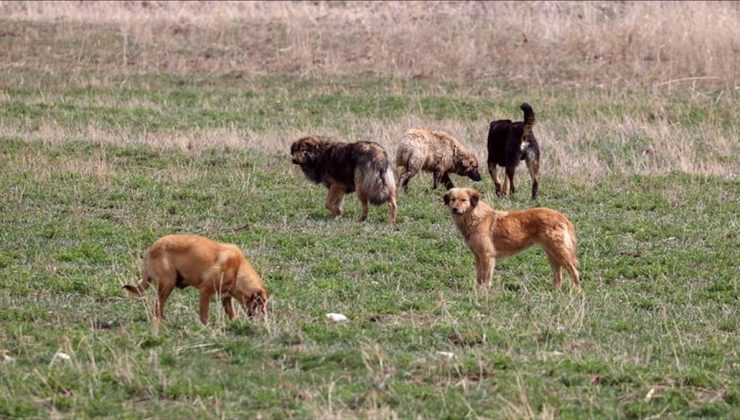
347	167
510	143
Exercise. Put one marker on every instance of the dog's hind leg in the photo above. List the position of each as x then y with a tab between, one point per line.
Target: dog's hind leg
561	256
362	195
509	181
392	206
534	169
556	272
164	289
575	278
494	175
204	301
403	177
409	171
228	305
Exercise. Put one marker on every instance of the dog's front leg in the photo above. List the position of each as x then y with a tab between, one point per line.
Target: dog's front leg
334	200
488	264
447	181
435	179
205	300
483	269
228	305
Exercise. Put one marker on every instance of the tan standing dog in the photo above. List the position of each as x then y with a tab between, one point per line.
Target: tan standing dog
211	267
492	234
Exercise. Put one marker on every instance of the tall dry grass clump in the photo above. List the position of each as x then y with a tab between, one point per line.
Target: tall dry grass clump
539	42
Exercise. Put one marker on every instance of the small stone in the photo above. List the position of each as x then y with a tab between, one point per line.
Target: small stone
336	317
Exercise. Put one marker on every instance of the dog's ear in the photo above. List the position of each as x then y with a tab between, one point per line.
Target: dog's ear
446	198
474	198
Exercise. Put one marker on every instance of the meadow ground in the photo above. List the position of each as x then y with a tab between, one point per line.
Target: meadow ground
98	162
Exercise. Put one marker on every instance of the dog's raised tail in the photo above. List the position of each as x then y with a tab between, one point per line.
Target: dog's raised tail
528	117
570	239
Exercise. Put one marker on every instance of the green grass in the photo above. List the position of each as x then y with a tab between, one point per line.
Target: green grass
165	103
659	308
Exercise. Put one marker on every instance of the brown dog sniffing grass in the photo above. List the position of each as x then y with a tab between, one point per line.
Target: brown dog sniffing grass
211	267
493	234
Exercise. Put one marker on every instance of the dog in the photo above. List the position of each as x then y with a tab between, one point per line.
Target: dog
345	167
510	143
211	267
436	152
493	234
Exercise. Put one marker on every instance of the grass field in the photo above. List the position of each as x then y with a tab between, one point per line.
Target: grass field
96	164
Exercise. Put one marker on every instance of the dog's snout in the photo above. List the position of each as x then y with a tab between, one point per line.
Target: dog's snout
474	175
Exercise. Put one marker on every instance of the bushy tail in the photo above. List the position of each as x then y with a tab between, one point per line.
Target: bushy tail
377	180
528	119
570	239
139	289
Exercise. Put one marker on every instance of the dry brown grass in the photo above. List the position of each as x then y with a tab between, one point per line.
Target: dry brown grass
664	45
570	147
540	42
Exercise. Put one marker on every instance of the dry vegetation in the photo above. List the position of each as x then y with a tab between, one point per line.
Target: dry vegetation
538	42
577	55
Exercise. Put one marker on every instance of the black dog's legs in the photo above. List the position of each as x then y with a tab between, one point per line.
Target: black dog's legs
494	175
534	169
510	176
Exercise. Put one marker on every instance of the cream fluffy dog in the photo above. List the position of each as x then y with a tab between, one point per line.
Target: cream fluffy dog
436	152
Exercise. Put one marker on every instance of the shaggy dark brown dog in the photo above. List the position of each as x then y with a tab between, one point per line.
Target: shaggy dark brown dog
435	152
347	167
509	143
211	267
493	234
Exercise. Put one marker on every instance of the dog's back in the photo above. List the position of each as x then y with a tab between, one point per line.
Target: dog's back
185	259
504	142
436	152
510	142
190	256
429	145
